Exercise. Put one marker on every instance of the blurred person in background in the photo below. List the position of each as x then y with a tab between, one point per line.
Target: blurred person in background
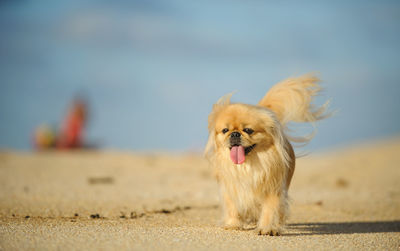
71	132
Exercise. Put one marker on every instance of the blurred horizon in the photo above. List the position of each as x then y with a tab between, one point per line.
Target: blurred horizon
151	70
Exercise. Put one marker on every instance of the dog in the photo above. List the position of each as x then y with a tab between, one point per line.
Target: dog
253	159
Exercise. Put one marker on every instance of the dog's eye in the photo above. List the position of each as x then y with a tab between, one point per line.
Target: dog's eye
248	130
225	130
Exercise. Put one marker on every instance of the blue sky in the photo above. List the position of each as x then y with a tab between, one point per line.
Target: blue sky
151	70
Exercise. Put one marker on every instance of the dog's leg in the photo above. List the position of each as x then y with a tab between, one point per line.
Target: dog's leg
283	209
231	215
269	222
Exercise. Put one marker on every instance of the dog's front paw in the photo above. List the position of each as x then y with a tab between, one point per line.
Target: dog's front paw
232	224
232	227
268	231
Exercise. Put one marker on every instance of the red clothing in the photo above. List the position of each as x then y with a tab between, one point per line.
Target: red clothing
72	130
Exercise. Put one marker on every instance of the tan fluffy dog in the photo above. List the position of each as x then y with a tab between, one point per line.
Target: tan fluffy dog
252	156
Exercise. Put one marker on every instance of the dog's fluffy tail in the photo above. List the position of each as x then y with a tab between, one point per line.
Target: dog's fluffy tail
291	101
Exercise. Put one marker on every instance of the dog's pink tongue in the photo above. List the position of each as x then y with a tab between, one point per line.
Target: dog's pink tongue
237	154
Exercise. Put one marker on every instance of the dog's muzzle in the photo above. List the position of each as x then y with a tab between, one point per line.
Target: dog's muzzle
234	139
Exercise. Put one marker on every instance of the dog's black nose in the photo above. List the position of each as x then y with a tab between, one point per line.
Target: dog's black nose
235	135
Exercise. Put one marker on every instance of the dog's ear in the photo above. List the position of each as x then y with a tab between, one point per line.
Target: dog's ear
210	146
279	138
291	100
281	144
216	109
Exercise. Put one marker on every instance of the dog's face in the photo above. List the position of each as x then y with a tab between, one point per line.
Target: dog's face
240	130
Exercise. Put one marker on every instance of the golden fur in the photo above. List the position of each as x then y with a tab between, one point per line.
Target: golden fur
257	190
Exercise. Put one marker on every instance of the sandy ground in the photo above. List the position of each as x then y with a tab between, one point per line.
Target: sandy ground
343	199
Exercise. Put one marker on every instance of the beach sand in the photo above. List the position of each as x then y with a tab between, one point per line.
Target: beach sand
345	199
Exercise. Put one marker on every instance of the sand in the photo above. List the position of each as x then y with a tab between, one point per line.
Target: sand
341	199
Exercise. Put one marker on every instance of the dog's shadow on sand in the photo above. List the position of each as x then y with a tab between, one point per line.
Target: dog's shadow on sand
343	227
